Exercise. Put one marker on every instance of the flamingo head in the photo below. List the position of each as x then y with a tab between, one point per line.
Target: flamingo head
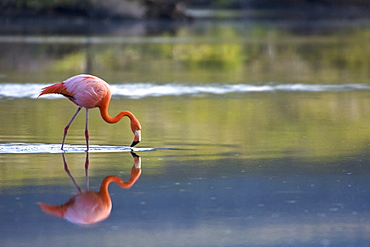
136	129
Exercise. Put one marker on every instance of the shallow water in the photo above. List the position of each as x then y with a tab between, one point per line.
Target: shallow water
56	148
261	140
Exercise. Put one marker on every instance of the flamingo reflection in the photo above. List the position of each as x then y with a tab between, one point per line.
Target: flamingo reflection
88	207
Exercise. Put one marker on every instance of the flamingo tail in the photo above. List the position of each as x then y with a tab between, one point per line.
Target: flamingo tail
58	88
56	210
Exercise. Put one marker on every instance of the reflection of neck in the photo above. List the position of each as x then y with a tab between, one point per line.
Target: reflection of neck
135	174
104	188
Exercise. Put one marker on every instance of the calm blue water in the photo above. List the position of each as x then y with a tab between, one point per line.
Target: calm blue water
224	202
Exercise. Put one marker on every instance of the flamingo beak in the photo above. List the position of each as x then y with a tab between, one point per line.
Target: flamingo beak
137	138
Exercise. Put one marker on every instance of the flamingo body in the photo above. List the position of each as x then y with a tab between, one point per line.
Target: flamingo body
88	91
90	207
85	208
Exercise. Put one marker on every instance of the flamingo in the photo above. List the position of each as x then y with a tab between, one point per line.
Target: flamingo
88	91
89	207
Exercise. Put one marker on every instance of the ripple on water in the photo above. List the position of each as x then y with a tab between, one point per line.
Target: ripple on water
55	148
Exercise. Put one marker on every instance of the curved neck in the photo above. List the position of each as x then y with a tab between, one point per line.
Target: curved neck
105	115
106	181
135	174
104	187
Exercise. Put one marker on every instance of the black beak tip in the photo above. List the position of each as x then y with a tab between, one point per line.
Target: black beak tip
134	155
134	143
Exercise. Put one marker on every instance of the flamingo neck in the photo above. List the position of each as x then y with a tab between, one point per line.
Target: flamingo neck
107	118
107	180
103	192
135	174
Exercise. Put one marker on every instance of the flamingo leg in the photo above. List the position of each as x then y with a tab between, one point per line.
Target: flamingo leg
87	136
68	125
87	164
69	173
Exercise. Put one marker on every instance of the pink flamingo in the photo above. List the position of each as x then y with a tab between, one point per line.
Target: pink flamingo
90	207
89	92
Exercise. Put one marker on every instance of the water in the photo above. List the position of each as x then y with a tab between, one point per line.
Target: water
142	90
254	134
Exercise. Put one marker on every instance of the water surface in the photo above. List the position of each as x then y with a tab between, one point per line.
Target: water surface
254	134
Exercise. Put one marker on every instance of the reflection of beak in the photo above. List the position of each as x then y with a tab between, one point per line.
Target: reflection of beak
137	138
137	160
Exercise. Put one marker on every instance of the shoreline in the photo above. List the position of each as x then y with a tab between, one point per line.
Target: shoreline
299	12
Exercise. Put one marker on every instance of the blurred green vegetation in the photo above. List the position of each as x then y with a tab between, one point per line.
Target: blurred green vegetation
220	54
